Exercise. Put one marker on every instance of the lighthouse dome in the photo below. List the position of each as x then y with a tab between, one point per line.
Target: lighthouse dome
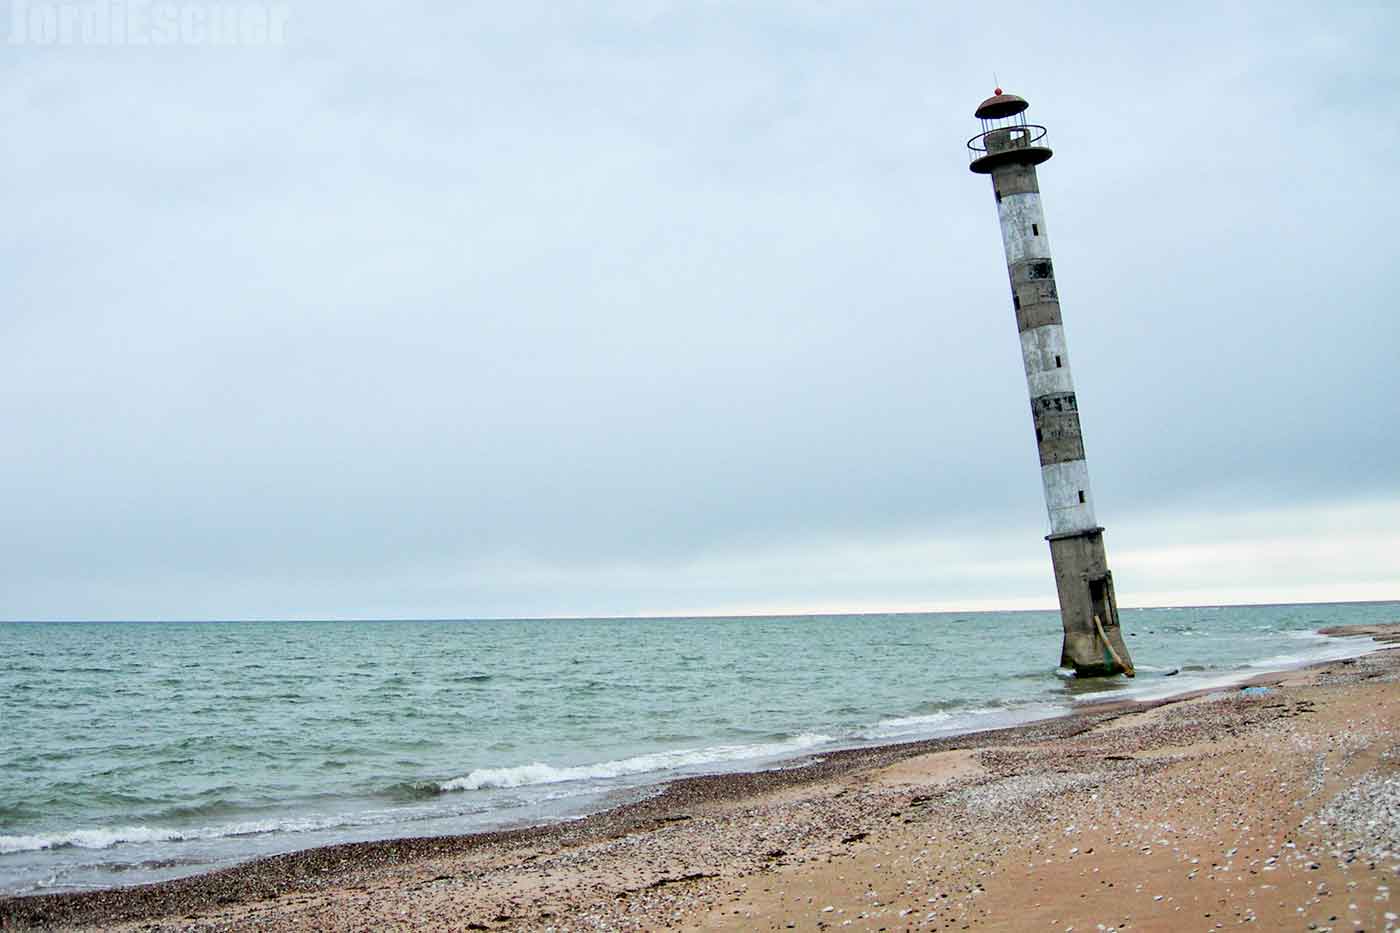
1000	105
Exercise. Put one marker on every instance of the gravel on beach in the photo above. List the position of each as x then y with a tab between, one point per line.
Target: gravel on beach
1279	807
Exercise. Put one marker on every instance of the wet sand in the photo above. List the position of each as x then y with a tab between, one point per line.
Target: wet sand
1277	807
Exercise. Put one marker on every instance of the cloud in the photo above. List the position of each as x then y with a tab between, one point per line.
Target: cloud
428	298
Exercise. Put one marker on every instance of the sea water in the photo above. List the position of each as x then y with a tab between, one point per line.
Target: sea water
133	752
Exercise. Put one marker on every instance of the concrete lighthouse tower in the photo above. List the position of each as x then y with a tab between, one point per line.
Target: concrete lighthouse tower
1009	149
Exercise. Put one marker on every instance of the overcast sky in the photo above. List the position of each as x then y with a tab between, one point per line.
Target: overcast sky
442	309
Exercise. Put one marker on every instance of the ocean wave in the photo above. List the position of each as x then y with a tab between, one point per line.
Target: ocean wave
939	721
538	773
193	811
107	838
413	790
904	725
87	839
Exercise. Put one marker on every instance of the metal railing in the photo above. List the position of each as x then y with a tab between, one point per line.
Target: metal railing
1005	139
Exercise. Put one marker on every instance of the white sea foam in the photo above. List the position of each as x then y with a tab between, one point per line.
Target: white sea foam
106	838
945	723
539	773
1325	648
87	839
899	722
909	725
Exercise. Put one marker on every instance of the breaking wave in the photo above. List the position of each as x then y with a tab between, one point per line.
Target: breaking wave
108	838
540	773
87	839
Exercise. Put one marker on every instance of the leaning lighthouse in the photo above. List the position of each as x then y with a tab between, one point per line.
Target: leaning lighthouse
1009	149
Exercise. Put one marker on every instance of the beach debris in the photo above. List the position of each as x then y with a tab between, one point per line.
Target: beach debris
1126	666
681	879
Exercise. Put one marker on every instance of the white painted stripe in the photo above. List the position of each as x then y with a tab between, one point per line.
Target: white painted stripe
1063	482
1021	218
1040	346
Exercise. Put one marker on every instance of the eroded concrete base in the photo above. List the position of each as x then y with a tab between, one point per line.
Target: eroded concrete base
1085	587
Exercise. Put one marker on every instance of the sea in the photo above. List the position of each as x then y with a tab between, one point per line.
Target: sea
140	751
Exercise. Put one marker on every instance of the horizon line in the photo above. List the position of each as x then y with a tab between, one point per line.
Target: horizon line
704	616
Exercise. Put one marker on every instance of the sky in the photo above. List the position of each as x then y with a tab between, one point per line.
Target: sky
459	310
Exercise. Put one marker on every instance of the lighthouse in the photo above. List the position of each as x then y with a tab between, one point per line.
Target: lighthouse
1009	149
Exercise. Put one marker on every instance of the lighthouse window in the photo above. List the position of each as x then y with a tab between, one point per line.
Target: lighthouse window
1016	302
1039	436
1081	497
1040	270
1058	363
1035	229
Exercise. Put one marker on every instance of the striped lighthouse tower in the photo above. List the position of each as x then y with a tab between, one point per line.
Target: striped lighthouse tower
1009	149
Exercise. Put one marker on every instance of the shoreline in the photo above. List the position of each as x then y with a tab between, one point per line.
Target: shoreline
683	804
308	867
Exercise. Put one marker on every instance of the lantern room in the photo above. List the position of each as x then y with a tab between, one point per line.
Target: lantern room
1006	137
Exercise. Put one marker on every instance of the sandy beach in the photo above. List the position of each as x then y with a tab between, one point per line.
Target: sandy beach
1277	806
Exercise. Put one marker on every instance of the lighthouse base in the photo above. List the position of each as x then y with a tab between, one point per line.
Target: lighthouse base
1093	643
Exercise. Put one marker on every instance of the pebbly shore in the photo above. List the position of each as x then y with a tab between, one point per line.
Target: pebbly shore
1283	801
